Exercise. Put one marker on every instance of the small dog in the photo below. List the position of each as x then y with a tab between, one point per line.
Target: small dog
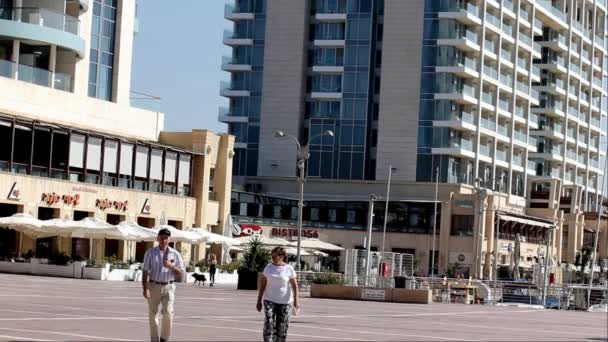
199	278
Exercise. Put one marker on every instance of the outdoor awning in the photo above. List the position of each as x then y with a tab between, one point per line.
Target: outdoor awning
267	241
317	245
525	221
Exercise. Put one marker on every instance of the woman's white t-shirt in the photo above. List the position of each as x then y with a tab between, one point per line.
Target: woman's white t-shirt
278	289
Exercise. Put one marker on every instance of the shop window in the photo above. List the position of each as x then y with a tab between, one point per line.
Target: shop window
21	152
6	137
59	162
462	225
81	249
79	215
411	251
41	158
47	213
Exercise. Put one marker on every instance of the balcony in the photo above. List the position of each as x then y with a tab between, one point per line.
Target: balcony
36	76
329	6
225	116
455	116
523	87
232	39
43	25
443	144
330	10
463	11
488	123
462	93
466	40
503	130
462	66
553	11
230	63
227	90
523	38
492	19
231	12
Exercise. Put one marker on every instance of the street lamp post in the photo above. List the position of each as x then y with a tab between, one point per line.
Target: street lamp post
482	195
370	223
303	156
388	196
435	222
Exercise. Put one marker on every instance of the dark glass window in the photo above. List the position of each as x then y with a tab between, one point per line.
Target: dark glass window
462	225
102	50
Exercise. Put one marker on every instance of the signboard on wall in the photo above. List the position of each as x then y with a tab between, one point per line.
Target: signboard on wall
51	198
247	229
290	232
461	258
372	294
15	193
147	208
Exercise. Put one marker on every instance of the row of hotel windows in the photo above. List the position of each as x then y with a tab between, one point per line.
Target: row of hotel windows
402	216
81	157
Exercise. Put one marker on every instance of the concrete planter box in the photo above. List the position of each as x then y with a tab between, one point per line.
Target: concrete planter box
412	296
35	267
371	294
15	267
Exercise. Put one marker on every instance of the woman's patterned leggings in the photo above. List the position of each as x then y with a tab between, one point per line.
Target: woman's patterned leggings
276	322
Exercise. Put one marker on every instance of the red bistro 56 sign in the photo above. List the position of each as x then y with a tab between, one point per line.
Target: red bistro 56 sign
289	232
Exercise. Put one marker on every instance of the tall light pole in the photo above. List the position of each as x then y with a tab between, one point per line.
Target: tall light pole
388	196
435	222
597	231
303	156
370	223
497	230
483	195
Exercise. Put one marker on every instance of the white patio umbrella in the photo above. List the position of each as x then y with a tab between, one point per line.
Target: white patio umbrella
294	251
89	227
135	232
318	253
24	224
213	238
316	244
267	241
179	235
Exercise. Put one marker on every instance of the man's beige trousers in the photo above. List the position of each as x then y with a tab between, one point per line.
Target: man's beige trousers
165	295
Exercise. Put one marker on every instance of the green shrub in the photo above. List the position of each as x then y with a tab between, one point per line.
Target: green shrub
229	267
328	278
256	256
202	265
190	268
60	259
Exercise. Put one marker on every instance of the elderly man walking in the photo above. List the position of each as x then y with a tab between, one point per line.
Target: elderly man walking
162	265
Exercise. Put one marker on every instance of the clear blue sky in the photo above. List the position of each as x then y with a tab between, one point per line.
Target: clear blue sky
177	56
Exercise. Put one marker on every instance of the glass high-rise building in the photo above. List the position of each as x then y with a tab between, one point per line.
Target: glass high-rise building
496	90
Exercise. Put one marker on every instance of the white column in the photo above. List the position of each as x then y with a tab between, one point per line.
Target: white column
53	64
15	58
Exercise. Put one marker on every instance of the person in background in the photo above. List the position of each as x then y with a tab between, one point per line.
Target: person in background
278	290
162	265
212	269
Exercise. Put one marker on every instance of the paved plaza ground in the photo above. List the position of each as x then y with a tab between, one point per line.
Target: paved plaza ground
55	309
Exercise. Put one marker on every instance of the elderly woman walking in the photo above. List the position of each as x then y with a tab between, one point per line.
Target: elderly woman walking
278	290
